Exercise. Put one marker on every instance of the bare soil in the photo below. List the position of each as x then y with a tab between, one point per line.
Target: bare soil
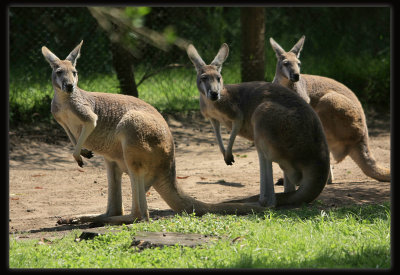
45	183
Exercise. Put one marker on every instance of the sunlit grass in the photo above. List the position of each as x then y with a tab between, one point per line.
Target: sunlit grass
355	237
170	90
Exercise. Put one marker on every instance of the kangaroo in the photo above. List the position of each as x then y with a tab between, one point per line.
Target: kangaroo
283	127
133	138
338	108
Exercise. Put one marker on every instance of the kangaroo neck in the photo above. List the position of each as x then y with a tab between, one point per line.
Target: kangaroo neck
223	104
227	94
299	87
77	94
228	99
227	105
280	79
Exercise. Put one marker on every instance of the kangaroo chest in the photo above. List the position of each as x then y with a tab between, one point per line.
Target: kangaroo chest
210	111
66	118
227	117
73	115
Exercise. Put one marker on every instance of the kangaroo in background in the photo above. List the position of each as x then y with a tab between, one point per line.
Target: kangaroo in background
283	127
339	109
133	138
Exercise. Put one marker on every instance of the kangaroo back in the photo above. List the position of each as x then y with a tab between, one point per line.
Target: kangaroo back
295	141
337	106
284	128
132	137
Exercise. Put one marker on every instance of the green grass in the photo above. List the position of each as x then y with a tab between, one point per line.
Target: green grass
170	90
175	89
30	98
354	237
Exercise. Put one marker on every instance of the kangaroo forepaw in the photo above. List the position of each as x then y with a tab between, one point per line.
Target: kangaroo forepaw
86	153
79	161
229	160
279	182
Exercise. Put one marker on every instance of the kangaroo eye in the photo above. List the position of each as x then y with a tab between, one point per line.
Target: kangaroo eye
299	64
285	63
218	78
74	73
203	77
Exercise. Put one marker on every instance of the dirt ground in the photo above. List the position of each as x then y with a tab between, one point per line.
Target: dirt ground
45	183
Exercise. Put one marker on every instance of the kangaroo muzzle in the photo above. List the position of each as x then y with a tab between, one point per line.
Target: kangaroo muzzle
213	95
294	77
69	88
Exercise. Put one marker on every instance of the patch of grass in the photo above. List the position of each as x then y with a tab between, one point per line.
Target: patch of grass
353	237
170	90
30	98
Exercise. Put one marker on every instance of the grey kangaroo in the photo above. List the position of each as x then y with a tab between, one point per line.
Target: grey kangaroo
339	109
132	137
283	127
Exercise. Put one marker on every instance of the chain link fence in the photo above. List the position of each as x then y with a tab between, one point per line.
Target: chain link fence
164	76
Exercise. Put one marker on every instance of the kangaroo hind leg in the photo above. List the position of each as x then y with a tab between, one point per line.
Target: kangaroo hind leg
114	177
114	213
267	192
139	202
136	161
289	182
114	202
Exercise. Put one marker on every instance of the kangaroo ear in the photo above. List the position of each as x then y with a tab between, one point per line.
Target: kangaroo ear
195	57
298	47
221	57
75	54
50	57
276	47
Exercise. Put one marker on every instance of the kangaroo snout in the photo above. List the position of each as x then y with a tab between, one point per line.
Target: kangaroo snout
294	77
68	87
213	95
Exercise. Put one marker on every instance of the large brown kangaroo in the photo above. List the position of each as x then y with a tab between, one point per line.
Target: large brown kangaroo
284	129
339	109
132	137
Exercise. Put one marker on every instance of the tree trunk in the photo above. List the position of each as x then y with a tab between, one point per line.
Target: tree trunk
123	66
253	46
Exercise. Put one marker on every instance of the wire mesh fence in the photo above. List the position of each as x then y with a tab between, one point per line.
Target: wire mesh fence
163	74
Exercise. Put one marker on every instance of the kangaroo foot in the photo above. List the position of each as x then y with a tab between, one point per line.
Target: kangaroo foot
267	201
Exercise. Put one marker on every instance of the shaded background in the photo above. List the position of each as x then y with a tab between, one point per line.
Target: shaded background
141	50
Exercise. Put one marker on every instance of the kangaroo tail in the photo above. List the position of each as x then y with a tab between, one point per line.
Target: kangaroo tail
311	185
180	202
362	155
